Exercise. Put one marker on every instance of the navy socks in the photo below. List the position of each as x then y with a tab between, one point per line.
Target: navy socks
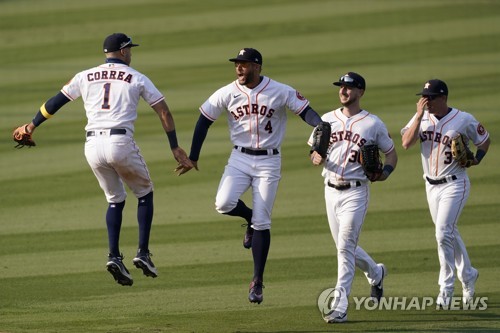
145	210
114	224
260	248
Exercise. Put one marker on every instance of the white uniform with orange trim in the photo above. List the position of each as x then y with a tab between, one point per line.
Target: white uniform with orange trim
257	121
111	93
346	209
447	200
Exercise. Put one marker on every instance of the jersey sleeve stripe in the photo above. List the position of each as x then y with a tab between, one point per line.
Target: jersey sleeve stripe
67	95
157	101
206	115
302	109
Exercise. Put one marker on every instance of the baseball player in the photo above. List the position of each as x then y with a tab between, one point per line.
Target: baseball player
446	182
110	94
346	187
255	107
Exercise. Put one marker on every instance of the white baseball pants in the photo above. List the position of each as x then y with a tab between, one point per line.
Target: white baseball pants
346	211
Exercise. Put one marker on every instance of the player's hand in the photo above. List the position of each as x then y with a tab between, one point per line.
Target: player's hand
182	158
421	106
316	158
182	169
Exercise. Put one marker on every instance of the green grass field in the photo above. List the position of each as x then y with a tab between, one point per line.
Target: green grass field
53	242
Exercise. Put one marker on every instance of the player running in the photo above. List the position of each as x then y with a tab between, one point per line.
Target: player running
347	193
110	94
447	184
255	107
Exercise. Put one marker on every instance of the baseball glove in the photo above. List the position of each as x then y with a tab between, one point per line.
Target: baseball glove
370	161
321	138
23	137
461	152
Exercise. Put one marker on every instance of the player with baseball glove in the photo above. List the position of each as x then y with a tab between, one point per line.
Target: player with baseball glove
350	162
111	93
443	133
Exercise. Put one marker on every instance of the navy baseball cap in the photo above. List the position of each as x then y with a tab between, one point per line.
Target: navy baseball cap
249	55
351	79
434	87
117	41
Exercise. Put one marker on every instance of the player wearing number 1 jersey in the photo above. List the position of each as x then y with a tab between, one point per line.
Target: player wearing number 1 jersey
110	94
256	110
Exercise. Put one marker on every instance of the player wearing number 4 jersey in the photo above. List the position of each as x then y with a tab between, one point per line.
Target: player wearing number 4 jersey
347	192
110	94
255	107
446	181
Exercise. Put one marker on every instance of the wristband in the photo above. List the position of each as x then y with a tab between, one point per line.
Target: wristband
172	139
388	169
479	155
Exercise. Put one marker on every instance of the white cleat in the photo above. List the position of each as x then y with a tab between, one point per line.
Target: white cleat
444	299
469	289
336	317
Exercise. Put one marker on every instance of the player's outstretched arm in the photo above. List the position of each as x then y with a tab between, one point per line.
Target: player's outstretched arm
199	135
23	134
310	116
167	121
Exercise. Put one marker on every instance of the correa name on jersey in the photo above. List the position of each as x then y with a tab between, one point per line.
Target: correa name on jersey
247	110
109	75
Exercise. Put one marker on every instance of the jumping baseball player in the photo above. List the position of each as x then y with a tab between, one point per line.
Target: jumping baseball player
347	191
446	181
110	94
255	107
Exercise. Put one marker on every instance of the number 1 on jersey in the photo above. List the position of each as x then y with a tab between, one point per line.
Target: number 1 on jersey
105	102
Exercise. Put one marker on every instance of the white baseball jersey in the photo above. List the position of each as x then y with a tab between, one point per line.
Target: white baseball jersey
111	93
256	117
348	135
435	138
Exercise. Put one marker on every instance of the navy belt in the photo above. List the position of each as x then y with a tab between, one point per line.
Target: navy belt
257	151
439	181
113	131
343	187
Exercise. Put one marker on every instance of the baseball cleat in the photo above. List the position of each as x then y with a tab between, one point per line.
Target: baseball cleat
255	292
247	239
120	273
143	261
469	289
444	299
336	317
378	290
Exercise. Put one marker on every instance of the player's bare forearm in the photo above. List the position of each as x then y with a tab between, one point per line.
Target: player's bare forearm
482	149
391	160
410	136
166	118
